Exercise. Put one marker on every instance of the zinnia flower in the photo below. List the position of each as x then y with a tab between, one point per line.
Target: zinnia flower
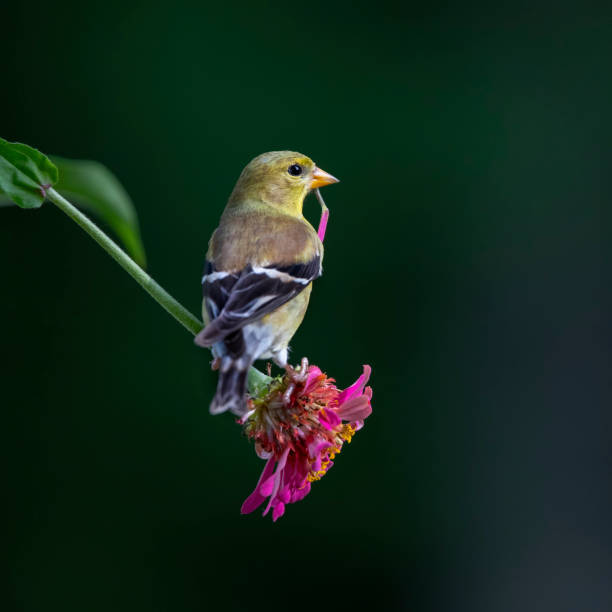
299	426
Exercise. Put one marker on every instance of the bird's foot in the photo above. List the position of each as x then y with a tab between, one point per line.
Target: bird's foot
215	364
300	374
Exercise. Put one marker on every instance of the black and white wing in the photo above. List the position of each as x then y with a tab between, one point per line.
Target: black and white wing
235	300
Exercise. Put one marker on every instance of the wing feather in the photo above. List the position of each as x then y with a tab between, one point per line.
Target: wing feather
235	300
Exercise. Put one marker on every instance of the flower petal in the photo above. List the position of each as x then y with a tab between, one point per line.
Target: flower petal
314	373
255	499
323	225
355	409
316	447
267	486
300	493
277	478
278	511
285	494
356	388
329	418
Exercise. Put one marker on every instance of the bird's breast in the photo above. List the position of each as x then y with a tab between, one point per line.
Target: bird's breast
254	238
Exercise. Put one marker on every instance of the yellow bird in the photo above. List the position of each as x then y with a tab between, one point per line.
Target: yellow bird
260	264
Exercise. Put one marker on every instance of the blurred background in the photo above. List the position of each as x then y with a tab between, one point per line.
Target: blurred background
467	260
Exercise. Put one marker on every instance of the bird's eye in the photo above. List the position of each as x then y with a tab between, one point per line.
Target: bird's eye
295	170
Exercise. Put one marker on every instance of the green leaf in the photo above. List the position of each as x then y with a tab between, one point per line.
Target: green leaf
25	174
95	189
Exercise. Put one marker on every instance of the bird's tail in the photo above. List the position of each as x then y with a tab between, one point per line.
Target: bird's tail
231	388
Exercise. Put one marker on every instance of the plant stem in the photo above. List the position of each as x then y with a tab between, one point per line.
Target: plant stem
257	380
160	295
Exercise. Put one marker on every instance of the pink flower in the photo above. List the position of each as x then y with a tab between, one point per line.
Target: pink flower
299	426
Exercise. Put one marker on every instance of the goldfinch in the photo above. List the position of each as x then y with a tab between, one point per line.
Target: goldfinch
260	264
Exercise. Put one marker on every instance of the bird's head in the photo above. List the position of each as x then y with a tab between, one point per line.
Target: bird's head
281	179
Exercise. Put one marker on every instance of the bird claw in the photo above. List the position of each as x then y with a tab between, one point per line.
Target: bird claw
304	368
295	376
215	364
298	375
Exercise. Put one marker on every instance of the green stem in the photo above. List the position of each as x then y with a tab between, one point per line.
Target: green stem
257	381
162	297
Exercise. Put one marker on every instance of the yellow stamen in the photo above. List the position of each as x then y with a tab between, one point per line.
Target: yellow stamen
333	451
347	433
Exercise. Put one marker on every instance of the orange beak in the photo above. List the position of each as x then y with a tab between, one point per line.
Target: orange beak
320	178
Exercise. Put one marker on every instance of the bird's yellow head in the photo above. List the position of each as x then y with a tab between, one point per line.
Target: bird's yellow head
280	179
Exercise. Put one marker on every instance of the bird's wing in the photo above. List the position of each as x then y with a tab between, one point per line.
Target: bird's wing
235	300
216	288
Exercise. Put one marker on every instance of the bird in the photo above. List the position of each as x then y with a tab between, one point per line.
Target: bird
258	273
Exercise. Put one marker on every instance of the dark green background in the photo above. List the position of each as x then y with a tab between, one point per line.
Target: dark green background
467	260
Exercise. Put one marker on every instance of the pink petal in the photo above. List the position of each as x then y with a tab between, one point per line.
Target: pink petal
296	475
313	373
278	511
323	225
255	499
302	469
316	446
355	409
329	418
267	486
277	478
356	388
300	493
285	494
